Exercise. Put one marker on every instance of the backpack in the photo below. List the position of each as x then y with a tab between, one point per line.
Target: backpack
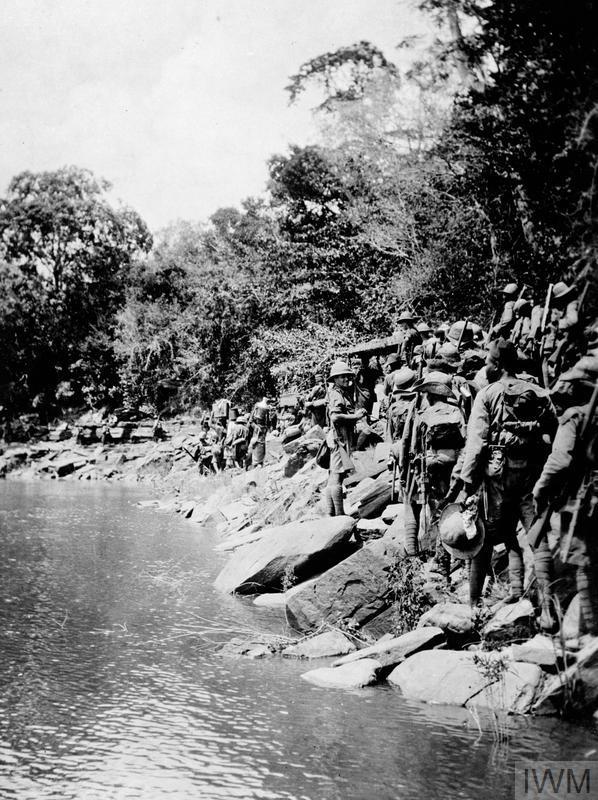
443	434
520	426
397	414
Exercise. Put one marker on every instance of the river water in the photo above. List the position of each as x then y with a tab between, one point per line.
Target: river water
112	687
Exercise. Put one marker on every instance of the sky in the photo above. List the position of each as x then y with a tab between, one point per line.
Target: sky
178	104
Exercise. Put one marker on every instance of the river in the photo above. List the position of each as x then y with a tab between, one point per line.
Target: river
112	688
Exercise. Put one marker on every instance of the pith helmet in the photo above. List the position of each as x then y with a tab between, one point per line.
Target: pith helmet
560	291
510	289
340	368
403	378
456	329
460	537
407	316
423	327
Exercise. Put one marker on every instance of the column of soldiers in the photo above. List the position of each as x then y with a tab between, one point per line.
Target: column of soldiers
494	436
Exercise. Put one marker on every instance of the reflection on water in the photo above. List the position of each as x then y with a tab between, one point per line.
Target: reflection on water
111	687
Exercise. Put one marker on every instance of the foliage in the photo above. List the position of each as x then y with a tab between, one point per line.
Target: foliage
405	580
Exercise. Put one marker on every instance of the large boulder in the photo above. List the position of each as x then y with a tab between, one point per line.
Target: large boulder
391	652
486	680
298	549
357	589
540	650
350	676
324	645
514	692
439	676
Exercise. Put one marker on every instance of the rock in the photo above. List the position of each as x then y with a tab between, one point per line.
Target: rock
392	651
371	528
514	621
514	692
271	600
350	676
383	624
576	687
439	676
450	617
237	648
540	651
392	511
356	589
329	643
572	626
301	548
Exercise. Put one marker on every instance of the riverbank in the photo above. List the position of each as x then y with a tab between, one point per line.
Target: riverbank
348	594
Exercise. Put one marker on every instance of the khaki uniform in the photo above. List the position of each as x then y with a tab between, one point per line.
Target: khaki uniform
507	470
342	433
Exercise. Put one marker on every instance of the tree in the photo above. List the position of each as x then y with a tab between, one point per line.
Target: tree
65	245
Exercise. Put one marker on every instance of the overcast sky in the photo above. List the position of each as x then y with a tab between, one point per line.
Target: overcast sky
177	102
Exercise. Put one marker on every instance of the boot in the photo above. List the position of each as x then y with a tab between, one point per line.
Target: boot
411	523
479	567
336	492
329	503
543	570
515	576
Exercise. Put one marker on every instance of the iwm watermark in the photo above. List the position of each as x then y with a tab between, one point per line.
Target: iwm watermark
556	779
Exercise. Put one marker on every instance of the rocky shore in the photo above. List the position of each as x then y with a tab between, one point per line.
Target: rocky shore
356	606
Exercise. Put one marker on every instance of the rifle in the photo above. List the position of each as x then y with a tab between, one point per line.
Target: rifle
463	333
424	480
394	481
542	334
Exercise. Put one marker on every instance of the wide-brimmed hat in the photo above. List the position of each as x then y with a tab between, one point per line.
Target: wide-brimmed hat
403	378
458	328
393	358
461	536
510	289
407	316
449	353
437	382
560	291
340	368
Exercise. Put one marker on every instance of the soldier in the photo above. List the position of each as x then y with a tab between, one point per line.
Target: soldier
399	402
433	438
343	417
561	344
365	384
411	337
569	481
504	453
315	403
521	330
507	318
260	424
391	366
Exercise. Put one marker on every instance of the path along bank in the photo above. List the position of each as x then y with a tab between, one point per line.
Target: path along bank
356	607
